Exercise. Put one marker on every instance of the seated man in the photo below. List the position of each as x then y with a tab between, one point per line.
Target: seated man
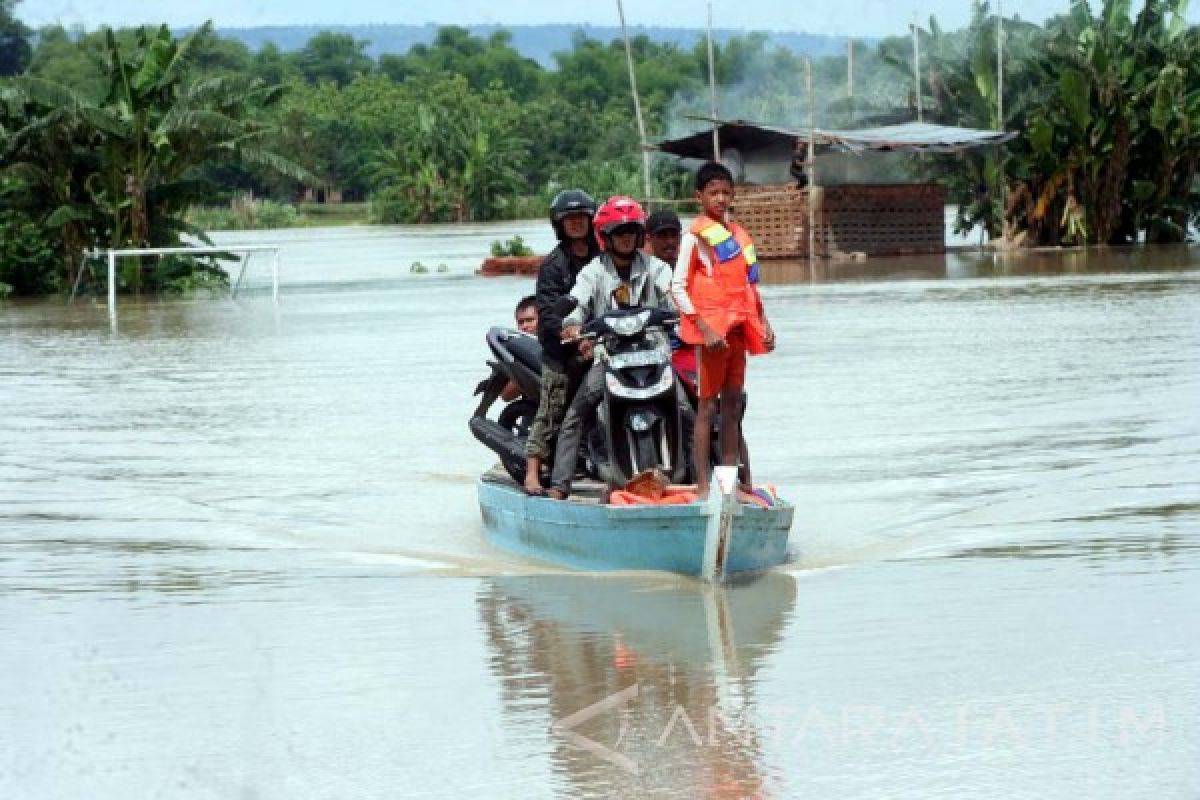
663	234
622	275
526	315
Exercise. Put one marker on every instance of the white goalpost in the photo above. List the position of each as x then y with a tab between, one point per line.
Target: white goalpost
246	250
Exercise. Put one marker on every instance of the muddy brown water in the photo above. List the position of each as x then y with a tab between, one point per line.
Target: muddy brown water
240	554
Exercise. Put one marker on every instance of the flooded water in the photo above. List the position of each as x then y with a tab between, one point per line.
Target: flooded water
240	552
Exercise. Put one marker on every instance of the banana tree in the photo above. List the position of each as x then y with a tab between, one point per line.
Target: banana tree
122	172
960	85
1167	147
45	163
1112	151
158	129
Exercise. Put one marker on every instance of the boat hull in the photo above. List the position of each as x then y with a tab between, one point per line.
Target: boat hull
591	536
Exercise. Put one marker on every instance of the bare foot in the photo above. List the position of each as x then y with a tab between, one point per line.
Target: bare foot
533	479
556	494
748	497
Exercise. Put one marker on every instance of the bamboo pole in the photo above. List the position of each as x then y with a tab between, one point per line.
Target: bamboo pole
1000	63
1000	119
637	104
712	88
917	68
812	164
850	67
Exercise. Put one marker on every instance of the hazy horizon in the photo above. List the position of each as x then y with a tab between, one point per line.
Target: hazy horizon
873	18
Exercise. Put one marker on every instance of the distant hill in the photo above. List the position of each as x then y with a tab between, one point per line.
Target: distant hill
538	42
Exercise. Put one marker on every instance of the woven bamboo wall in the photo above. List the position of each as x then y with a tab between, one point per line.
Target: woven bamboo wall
873	219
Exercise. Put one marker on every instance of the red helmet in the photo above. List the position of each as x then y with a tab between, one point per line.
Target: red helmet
617	212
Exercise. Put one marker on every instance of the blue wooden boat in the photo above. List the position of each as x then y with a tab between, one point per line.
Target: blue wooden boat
582	533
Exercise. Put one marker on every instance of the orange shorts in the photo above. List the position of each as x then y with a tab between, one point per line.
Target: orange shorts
723	370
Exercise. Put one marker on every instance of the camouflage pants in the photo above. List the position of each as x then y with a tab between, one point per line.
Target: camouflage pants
551	409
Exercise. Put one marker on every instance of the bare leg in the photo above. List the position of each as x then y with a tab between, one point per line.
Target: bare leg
731	416
731	433
701	436
744	475
744	454
533	474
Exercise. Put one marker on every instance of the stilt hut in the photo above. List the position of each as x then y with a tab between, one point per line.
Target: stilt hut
854	181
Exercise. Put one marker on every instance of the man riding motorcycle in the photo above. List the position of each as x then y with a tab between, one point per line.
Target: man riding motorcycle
571	216
621	277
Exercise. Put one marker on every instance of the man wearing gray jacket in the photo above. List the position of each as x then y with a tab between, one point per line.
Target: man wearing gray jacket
621	276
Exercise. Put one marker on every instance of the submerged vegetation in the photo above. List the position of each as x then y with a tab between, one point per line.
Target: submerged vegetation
137	137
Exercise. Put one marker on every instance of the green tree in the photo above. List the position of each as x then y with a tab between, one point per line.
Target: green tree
15	50
333	57
594	74
269	64
70	58
960	87
483	62
1112	149
123	171
457	157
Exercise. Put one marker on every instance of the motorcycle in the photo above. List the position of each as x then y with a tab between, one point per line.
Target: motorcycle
640	420
639	415
516	358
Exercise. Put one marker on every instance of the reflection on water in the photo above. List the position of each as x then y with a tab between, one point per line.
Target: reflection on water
649	685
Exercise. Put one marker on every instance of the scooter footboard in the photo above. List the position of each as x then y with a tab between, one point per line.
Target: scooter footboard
503	443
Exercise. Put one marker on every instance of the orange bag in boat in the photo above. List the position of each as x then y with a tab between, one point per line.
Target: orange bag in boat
671	497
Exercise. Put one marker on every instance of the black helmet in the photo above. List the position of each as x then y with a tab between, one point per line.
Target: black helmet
571	201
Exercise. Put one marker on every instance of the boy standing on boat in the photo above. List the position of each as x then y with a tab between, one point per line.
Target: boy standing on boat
714	287
571	215
663	235
622	276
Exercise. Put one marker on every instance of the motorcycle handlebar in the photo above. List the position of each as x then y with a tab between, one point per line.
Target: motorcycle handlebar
597	327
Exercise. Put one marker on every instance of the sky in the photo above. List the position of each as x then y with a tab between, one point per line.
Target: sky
871	18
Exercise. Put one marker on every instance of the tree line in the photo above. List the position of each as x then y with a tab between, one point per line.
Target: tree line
108	138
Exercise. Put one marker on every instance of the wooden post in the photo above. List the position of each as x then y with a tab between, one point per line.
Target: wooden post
637	104
712	88
112	289
812	163
722	508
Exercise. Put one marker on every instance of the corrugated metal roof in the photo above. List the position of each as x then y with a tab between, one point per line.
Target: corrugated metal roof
916	137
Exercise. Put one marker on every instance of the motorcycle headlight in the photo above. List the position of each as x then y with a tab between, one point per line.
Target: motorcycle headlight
628	326
640	421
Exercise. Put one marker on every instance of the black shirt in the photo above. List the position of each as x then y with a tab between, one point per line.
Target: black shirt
555	278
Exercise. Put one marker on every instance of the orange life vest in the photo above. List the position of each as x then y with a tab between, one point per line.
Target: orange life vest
727	297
